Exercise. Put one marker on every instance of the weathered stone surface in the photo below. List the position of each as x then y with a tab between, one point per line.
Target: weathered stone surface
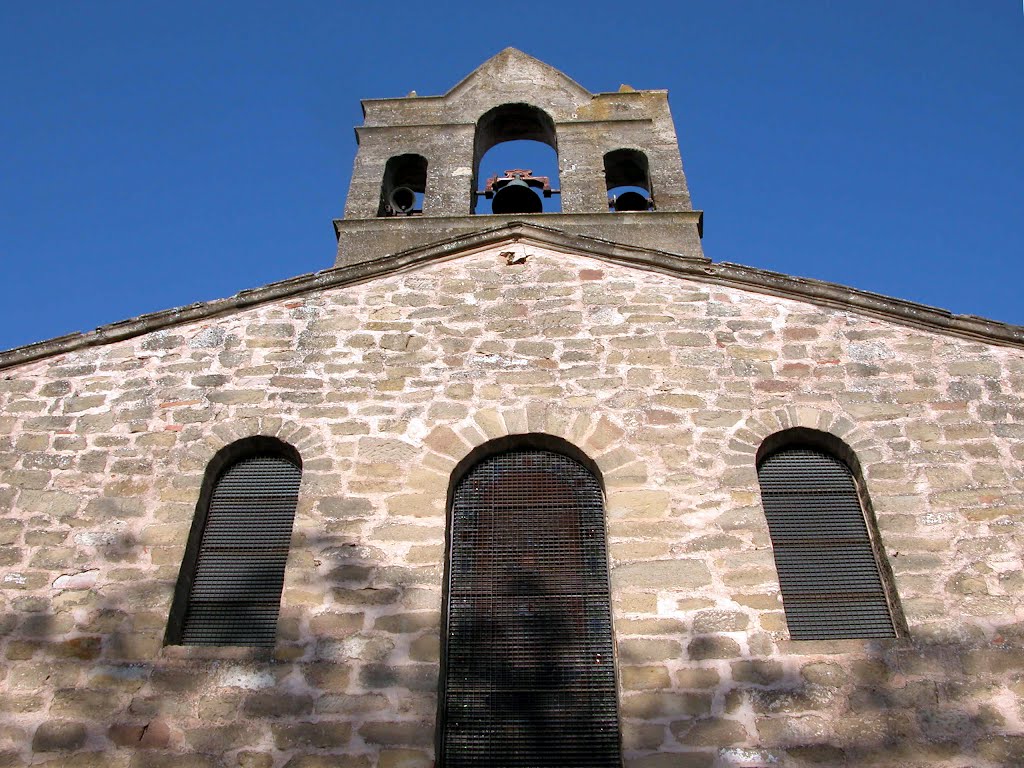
319	735
720	621
405	758
693	759
662	574
712	647
758	672
398	733
710	732
59	736
658	705
641	650
644	677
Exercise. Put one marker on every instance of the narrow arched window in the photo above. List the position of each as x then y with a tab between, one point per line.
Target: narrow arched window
627	176
832	586
229	589
529	675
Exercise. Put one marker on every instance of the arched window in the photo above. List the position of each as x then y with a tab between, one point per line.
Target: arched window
521	175
229	587
529	675
404	185
627	175
832	586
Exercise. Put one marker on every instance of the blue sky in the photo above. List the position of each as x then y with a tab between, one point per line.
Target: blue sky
154	155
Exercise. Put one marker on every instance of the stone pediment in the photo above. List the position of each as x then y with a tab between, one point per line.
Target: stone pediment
520	76
521	234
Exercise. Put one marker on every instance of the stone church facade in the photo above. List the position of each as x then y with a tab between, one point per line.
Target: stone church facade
441	339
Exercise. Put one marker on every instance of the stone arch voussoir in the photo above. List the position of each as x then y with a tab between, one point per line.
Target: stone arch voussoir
600	437
759	426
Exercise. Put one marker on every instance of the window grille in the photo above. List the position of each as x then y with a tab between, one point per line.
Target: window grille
830	580
235	595
529	675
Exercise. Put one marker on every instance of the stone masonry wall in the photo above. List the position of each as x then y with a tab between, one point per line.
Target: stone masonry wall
669	385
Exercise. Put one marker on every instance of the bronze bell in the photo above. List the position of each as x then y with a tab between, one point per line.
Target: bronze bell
630	201
516	197
402	200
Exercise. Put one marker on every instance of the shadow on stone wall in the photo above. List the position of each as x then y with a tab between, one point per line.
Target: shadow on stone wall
352	682
89	682
891	703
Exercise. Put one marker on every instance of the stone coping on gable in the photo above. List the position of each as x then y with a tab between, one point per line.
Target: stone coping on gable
698	268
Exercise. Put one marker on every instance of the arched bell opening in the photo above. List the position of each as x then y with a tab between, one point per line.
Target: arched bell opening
628	179
404	186
515	162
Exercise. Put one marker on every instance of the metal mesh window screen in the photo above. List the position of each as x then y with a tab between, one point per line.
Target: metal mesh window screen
236	591
831	585
529	672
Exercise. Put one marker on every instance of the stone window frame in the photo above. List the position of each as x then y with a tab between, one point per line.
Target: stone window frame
224	459
805	437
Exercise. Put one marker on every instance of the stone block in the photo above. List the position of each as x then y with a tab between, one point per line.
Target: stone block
712	647
84	703
758	672
824	673
330	761
793	731
661	574
692	759
720	621
216	739
409	622
404	758
696	678
415	677
152	735
426	648
640	650
652	706
398	733
59	736
351	704
277	704
174	760
644	677
323	734
640	736
710	732
634	602
639	504
335	624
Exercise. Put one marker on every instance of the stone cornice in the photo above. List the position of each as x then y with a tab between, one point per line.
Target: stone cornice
700	269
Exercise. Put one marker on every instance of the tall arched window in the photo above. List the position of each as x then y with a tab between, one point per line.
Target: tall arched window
832	586
529	676
229	587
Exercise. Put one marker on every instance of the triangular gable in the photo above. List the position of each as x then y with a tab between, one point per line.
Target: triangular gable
519	72
697	268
